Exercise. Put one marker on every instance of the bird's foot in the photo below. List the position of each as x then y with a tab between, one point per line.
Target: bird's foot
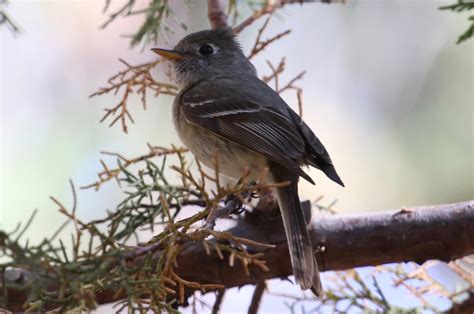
233	204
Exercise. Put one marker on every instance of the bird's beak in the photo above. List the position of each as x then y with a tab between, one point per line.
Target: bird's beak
169	54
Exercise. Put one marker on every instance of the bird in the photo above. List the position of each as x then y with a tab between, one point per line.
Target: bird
223	107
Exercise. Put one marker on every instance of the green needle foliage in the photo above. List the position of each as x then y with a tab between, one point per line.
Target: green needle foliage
69	277
158	16
160	19
105	257
461	6
6	20
102	258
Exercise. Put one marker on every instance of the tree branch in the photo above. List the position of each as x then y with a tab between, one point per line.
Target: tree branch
217	305
271	7
443	232
257	297
216	13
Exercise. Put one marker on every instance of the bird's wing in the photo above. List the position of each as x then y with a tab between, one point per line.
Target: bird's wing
316	154
238	110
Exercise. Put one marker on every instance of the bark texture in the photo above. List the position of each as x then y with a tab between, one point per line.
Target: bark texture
442	232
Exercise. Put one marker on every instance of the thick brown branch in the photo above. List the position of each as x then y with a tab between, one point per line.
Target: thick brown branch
216	13
443	232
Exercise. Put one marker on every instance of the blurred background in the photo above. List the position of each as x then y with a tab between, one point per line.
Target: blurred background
387	90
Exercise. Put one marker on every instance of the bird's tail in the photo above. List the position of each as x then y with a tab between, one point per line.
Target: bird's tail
305	267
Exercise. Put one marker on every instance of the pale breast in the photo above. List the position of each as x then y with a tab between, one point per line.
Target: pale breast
234	159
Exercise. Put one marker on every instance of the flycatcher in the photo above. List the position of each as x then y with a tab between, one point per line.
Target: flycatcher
224	108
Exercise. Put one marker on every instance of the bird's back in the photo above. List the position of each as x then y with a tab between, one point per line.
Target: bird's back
246	111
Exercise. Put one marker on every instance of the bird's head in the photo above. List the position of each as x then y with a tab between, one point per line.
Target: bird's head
206	54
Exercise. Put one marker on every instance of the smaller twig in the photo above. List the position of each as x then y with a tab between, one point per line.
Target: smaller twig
466	273
271	7
182	283
380	292
228	236
108	174
127	6
268	9
6	20
261	45
217	304
135	78
140	251
257	297
27	225
299	97
276	71
460	6
291	82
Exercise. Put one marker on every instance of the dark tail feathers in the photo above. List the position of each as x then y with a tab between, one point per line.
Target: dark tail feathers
304	263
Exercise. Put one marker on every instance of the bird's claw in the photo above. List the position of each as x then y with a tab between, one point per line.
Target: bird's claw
236	206
233	204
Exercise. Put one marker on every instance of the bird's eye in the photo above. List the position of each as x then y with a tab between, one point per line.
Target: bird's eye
206	50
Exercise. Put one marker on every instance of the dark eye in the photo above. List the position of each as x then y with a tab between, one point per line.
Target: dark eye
206	50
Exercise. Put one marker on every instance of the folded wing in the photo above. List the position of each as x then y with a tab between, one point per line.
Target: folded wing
245	119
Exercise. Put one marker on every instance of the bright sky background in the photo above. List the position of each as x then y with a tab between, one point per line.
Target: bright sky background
386	90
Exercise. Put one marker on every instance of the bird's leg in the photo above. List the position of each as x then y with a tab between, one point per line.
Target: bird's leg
233	204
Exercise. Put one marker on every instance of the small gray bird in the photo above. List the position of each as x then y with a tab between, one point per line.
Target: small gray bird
224	108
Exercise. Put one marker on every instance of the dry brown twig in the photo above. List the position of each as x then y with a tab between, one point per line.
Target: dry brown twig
138	78
421	284
260	44
223	244
275	76
276	71
351	288
259	257
271	7
464	268
108	174
135	78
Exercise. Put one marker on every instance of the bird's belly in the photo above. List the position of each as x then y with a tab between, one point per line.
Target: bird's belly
233	159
